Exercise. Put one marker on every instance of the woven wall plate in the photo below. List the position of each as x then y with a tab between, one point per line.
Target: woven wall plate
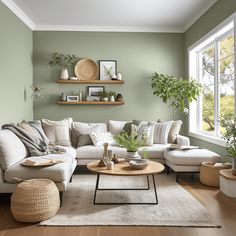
86	69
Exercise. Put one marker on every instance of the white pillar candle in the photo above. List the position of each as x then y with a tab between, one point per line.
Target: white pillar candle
110	165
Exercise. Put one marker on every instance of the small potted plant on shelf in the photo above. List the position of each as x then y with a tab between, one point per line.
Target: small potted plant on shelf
63	61
229	135
131	142
112	95
103	95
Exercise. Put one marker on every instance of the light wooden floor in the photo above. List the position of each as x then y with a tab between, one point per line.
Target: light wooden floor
220	207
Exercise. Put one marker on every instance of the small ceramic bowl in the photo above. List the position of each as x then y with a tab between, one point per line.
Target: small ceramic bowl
138	164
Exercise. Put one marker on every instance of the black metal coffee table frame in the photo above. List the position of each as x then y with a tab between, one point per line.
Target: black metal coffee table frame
128	203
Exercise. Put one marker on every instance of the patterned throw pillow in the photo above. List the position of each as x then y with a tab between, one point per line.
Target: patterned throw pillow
145	130
161	132
128	126
99	138
80	132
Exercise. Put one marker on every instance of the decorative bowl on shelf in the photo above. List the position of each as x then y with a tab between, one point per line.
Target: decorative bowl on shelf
138	164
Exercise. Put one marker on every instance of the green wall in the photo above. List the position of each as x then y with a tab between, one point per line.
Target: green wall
214	16
137	55
16	69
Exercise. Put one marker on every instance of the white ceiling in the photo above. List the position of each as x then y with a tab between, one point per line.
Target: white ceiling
110	15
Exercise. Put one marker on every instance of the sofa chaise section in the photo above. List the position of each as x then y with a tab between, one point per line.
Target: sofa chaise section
13	152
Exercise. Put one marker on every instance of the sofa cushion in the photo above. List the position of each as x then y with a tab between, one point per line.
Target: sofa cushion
57	173
80	132
58	132
161	132
12	150
156	151
174	131
115	127
191	157
69	151
93	152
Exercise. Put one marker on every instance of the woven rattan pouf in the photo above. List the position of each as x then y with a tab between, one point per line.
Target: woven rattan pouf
210	174
35	200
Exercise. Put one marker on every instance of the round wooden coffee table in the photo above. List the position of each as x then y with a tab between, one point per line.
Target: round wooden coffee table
123	169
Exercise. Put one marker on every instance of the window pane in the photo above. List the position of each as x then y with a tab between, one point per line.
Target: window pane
208	78
226	80
226	47
208	108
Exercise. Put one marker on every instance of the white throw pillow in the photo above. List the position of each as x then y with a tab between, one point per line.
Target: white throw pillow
161	132
58	132
99	138
115	127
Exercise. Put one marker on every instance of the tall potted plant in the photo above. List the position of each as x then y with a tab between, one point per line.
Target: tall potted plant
175	91
63	61
229	135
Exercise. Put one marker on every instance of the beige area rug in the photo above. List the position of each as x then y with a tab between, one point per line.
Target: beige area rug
177	207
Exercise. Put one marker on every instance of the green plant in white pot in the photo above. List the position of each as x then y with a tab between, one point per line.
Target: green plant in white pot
229	135
131	142
177	92
103	95
63	62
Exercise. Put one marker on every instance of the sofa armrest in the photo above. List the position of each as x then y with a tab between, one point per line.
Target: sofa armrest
183	140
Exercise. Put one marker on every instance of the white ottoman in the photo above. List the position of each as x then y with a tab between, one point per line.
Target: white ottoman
182	161
228	183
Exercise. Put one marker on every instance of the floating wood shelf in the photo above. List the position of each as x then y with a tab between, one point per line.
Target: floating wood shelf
90	103
90	81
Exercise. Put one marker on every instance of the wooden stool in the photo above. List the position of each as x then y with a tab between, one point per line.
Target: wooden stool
35	200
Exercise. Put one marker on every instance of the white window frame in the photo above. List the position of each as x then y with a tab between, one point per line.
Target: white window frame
213	37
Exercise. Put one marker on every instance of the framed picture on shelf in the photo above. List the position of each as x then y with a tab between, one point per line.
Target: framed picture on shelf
93	92
72	98
107	69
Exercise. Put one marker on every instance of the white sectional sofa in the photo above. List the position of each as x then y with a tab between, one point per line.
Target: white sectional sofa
73	136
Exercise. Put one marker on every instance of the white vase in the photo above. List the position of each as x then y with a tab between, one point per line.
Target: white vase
64	74
119	76
132	154
112	98
105	99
